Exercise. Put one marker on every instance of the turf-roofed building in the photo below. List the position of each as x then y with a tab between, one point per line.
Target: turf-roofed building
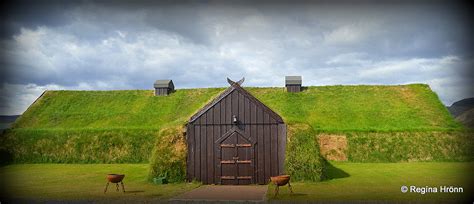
363	123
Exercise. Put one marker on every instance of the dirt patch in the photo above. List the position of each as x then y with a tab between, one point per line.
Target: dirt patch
333	147
220	193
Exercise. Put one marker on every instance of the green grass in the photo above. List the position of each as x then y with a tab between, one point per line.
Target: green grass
169	156
382	181
80	146
361	108
303	160
410	146
325	108
113	109
83	182
350	181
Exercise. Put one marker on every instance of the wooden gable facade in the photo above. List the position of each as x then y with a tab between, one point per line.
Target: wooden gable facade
235	139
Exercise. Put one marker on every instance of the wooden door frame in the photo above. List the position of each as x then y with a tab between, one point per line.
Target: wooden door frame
218	152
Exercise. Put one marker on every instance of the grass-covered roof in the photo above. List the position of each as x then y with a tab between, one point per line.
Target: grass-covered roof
325	108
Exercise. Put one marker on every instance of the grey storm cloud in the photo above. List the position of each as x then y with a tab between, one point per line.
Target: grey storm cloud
102	45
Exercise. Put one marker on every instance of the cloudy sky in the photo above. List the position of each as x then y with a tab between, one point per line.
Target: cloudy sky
102	45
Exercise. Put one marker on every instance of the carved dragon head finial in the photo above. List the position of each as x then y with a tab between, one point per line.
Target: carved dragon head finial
238	82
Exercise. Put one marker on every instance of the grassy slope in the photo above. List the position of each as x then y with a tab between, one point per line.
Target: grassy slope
361	108
113	109
83	182
326	108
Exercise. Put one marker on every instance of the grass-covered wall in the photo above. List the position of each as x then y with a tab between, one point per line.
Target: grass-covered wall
303	161
169	155
78	146
410	146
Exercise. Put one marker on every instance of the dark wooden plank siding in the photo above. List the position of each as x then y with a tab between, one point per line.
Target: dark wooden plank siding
228	109
222	106
281	148
240	109
234	104
253	113
161	91
217	133
203	156
261	146
191	151
197	156
246	111
266	135
293	88
210	151
267	144
273	149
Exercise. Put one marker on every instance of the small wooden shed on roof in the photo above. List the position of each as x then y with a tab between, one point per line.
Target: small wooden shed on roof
235	139
163	87
293	83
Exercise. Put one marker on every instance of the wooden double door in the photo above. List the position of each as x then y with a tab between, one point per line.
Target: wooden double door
235	155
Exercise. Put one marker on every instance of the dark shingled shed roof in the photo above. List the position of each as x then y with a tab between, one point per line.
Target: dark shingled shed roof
293	80
163	83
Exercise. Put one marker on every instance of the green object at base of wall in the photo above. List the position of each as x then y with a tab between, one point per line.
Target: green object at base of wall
160	180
